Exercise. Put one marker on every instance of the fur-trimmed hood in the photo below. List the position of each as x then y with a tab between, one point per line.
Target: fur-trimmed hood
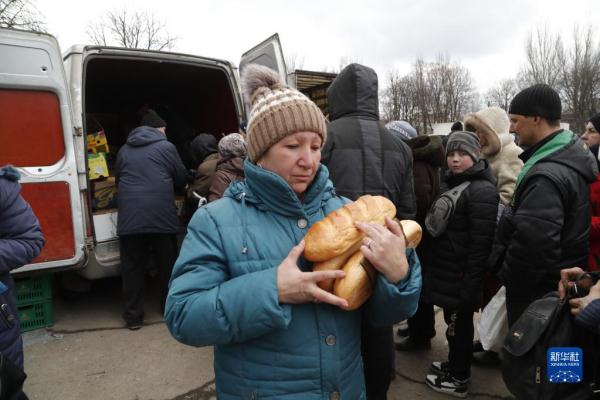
491	122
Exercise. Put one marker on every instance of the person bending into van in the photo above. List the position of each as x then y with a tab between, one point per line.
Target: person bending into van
148	170
459	257
21	240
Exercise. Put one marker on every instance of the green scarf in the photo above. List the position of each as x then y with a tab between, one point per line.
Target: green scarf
558	142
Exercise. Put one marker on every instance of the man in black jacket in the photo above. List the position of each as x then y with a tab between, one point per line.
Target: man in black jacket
547	224
149	169
363	157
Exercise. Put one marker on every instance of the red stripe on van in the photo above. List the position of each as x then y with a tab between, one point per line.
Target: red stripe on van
30	128
51	203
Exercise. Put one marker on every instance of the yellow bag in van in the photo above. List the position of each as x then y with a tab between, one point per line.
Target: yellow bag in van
97	166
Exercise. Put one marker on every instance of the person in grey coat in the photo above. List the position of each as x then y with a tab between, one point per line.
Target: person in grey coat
149	169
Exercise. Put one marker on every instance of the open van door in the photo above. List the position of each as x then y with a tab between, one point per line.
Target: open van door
37	136
267	53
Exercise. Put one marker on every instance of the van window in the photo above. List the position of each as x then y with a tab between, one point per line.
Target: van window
31	128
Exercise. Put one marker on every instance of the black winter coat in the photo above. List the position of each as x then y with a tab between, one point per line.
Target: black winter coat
362	156
547	227
458	260
148	171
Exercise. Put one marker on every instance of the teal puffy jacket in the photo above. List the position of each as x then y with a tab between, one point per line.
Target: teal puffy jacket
223	292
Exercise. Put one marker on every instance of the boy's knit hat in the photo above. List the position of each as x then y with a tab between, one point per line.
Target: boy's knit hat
537	101
277	111
464	141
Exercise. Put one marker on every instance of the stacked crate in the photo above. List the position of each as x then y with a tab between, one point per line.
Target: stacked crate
34	301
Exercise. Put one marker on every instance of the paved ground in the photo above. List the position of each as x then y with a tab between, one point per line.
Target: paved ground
89	355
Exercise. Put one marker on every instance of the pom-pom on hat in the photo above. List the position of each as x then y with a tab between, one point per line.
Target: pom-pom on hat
277	111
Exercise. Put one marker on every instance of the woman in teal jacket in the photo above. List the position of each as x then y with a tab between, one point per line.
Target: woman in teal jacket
241	284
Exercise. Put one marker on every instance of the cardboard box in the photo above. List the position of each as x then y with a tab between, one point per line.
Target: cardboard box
105	225
104	193
97	142
97	166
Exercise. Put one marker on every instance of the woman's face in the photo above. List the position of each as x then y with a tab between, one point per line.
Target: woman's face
590	136
295	158
459	161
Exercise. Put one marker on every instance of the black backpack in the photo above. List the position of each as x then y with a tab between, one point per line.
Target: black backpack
547	323
442	209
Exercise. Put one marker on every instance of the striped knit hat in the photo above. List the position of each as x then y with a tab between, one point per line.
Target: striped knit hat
277	111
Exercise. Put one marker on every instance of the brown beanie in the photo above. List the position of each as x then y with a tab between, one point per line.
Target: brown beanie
277	111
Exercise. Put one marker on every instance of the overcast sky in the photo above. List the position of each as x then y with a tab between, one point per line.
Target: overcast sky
487	37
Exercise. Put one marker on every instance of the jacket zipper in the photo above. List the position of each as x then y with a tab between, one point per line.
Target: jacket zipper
7	315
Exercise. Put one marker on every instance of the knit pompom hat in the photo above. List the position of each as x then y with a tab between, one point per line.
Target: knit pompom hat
277	111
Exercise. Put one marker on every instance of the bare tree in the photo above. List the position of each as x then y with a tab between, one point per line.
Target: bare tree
21	14
580	77
399	99
543	51
433	92
293	62
572	68
139	30
502	94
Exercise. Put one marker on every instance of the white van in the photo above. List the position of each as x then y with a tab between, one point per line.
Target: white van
49	108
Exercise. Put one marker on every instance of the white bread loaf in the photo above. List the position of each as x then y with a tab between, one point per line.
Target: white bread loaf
336	233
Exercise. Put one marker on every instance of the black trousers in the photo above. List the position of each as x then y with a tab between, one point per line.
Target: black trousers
378	359
421	326
135	250
460	342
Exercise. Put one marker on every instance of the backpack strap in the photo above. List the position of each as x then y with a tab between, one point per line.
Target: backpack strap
455	193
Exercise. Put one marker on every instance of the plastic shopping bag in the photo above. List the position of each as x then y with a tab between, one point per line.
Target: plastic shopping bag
493	324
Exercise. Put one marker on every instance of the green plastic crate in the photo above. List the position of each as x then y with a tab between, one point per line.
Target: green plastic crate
33	290
35	316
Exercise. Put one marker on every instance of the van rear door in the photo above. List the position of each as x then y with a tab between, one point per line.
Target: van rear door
36	132
267	53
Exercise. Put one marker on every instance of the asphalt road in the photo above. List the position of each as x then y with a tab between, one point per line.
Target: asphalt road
89	354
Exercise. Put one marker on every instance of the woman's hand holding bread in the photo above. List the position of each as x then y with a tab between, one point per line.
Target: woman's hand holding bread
385	248
295	286
361	239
